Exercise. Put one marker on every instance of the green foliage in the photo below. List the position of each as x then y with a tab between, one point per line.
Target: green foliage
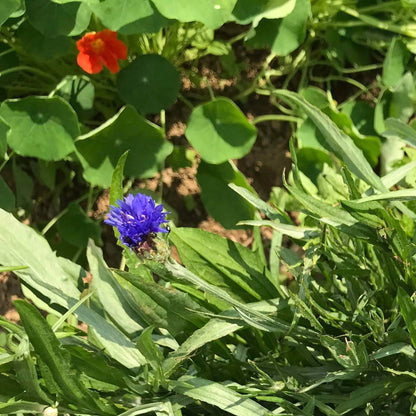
219	131
33	121
100	149
319	319
150	84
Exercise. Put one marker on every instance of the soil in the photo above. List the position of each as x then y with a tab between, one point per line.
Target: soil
10	290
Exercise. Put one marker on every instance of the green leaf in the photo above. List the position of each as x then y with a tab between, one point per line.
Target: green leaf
40	127
116	190
393	349
50	278
282	36
247	10
150	351
158	408
336	217
224	263
164	307
218	395
315	96
58	361
276	9
408	310
7	8
258	203
212	13
395	62
361	114
181	157
397	128
370	145
400	195
9	388
301	233
219	131
212	330
220	201
367	394
68	19
76	227
401	103
7	199
128	16
34	43
150	83
25	369
100	150
24	187
337	141
396	175
112	296
21	406
95	365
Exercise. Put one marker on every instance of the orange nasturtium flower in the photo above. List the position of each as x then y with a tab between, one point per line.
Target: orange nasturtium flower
100	48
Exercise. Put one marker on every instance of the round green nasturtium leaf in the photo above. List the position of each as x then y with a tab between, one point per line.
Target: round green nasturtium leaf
315	96
75	227
245	11
52	19
36	44
128	16
284	35
213	13
150	83
219	131
40	127
220	201
7	198
100	150
7	8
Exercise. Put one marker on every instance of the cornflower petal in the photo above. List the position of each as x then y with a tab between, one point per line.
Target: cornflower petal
137	218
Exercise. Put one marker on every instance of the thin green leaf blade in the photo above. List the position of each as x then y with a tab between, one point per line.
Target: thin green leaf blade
337	141
218	395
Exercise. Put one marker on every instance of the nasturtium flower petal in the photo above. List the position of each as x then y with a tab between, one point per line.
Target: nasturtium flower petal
98	49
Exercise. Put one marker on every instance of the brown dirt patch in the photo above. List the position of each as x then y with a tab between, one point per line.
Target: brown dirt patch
10	290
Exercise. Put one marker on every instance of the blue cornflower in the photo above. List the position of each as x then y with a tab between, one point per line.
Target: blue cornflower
137	218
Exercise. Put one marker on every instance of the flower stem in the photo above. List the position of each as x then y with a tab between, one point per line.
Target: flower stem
277	117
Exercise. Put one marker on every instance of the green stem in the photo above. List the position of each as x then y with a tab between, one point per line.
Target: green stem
54	220
256	80
277	117
186	101
6	159
27	68
210	90
238	37
122	263
385	5
90	201
407	30
6	52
